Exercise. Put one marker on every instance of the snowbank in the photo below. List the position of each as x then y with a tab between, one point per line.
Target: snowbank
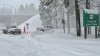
33	22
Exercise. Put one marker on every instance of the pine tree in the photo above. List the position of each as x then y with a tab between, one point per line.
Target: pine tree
26	6
45	12
21	9
47	2
66	3
31	8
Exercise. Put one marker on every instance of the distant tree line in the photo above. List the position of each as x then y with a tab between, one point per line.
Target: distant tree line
27	9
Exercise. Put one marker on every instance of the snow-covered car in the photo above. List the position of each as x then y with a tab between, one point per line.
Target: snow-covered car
12	30
45	28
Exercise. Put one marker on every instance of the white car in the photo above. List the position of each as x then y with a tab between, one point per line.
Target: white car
12	30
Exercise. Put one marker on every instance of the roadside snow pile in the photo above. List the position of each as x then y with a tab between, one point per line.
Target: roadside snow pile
33	22
17	45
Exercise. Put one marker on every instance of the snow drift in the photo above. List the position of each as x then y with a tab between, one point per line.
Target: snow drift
33	22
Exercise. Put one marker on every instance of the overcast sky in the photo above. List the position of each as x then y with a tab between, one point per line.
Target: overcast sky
16	3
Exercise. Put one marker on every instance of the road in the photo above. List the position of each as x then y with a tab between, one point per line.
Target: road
48	45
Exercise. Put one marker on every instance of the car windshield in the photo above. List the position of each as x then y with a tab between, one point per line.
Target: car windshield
13	27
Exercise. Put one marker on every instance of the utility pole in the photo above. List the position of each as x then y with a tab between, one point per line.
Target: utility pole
78	24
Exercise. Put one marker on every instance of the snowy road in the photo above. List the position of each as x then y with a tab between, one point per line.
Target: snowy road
68	46
48	45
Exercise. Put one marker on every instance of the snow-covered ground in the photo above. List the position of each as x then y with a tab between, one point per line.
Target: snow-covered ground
53	44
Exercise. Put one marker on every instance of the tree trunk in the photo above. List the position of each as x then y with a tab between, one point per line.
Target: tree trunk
99	21
68	21
96	32
78	24
85	32
56	22
64	28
